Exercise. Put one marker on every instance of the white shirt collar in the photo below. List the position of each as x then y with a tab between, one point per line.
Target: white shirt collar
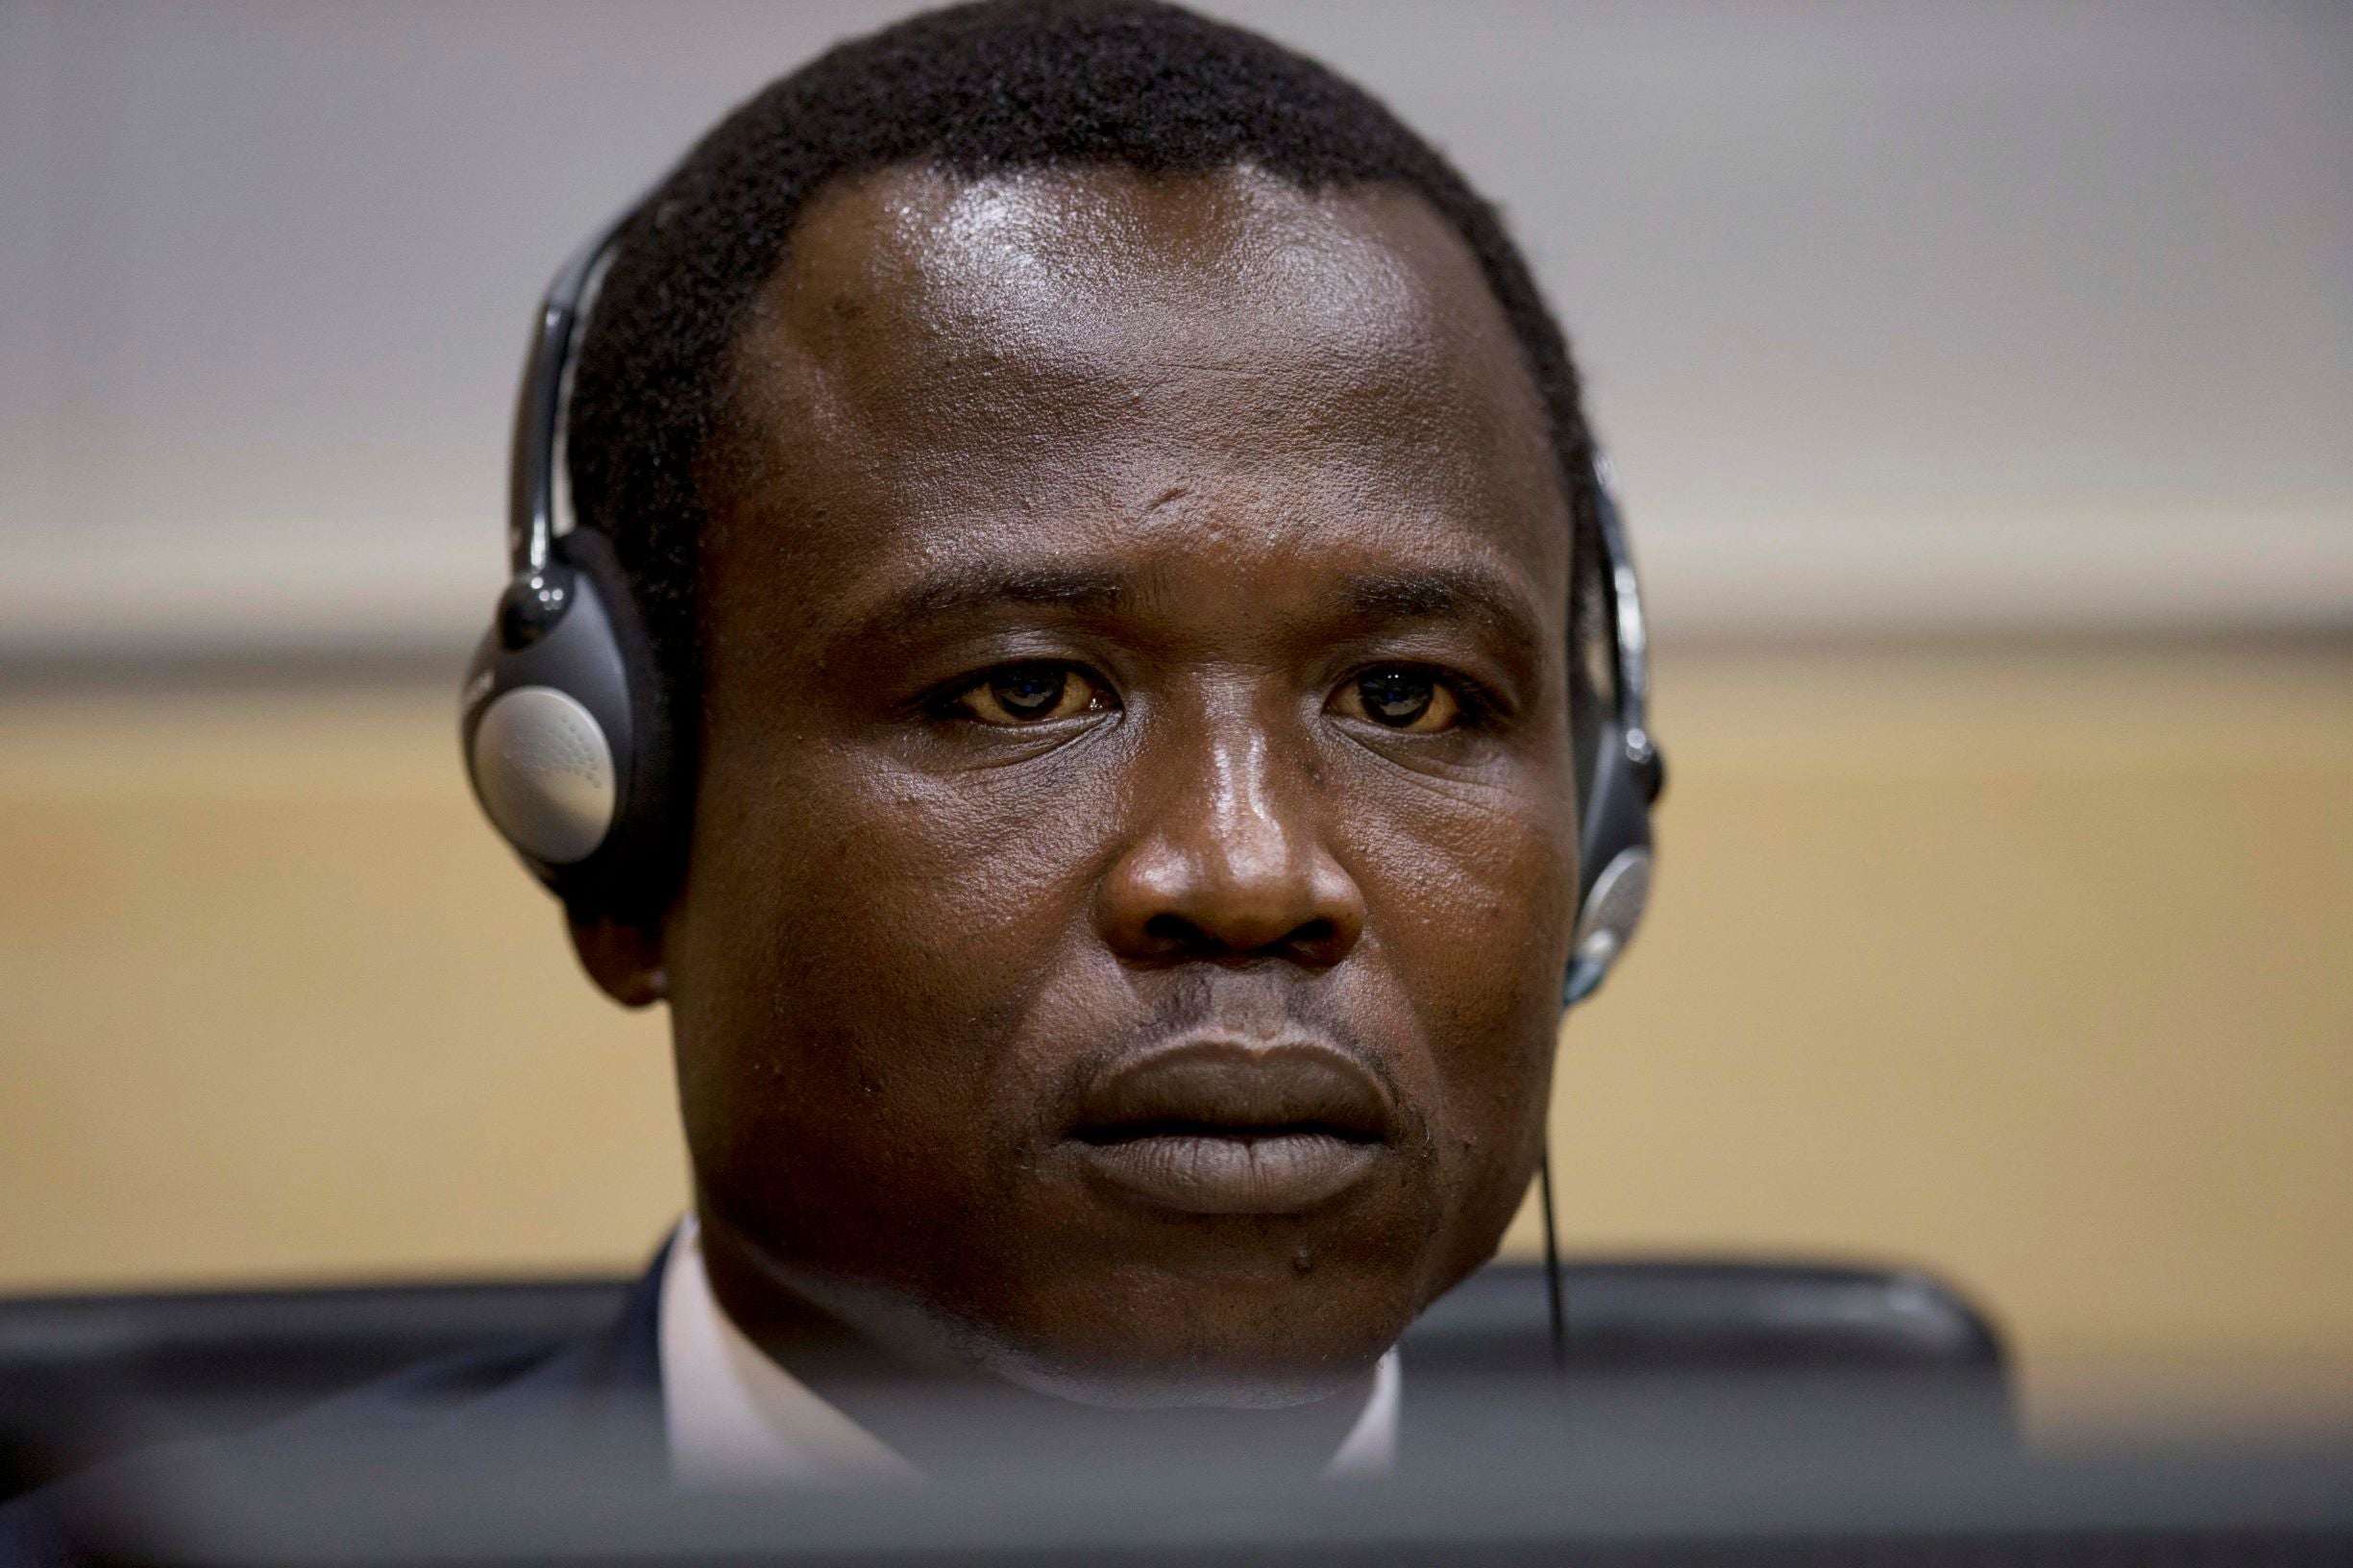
737	1420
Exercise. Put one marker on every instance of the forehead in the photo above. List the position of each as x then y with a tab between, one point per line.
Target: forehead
947	364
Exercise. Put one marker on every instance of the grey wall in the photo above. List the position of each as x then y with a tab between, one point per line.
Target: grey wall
1897	316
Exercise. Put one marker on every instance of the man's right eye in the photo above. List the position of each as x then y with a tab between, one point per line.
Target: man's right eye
1030	693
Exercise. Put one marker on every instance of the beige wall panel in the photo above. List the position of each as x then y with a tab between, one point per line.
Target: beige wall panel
279	1006
2030	968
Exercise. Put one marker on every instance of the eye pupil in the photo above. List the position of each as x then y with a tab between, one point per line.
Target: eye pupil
1394	697
1028	692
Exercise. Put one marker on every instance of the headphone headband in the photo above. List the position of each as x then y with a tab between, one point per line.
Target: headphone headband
1628	629
533	464
1615	858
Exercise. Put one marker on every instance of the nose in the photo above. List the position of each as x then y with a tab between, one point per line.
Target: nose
1228	862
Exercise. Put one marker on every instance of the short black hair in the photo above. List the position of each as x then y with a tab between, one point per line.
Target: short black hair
975	89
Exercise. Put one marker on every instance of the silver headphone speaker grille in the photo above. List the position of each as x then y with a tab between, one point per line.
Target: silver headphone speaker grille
1614	907
1611	912
545	773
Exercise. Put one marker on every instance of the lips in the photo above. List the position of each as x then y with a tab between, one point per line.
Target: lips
1219	1126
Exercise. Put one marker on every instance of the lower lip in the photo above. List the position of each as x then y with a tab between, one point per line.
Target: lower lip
1206	1173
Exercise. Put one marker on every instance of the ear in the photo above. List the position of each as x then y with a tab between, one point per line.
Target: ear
625	959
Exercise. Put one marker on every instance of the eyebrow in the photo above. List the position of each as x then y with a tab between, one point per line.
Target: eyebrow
1459	594
1442	593
1080	591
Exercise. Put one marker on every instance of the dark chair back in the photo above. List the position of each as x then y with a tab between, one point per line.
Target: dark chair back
1634	1314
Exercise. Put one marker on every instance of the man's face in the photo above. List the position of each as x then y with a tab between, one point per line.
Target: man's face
1132	853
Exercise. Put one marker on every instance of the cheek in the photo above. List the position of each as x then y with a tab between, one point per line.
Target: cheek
1470	899
853	959
1471	896
922	894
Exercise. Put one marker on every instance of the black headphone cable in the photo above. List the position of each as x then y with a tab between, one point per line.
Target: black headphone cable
1552	1297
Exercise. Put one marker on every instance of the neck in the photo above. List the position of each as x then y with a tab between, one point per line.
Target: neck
953	1421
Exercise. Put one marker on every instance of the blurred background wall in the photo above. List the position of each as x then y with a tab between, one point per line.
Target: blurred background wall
1980	378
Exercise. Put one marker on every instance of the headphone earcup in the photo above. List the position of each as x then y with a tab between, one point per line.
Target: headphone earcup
563	725
1615	863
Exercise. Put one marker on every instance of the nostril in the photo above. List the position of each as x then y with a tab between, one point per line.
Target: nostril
1175	931
1313	935
1173	934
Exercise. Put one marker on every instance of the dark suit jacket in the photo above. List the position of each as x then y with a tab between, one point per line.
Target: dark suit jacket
583	1407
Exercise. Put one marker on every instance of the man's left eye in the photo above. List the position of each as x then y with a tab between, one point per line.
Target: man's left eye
1030	693
1403	698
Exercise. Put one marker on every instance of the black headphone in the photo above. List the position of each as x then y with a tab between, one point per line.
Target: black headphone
567	733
